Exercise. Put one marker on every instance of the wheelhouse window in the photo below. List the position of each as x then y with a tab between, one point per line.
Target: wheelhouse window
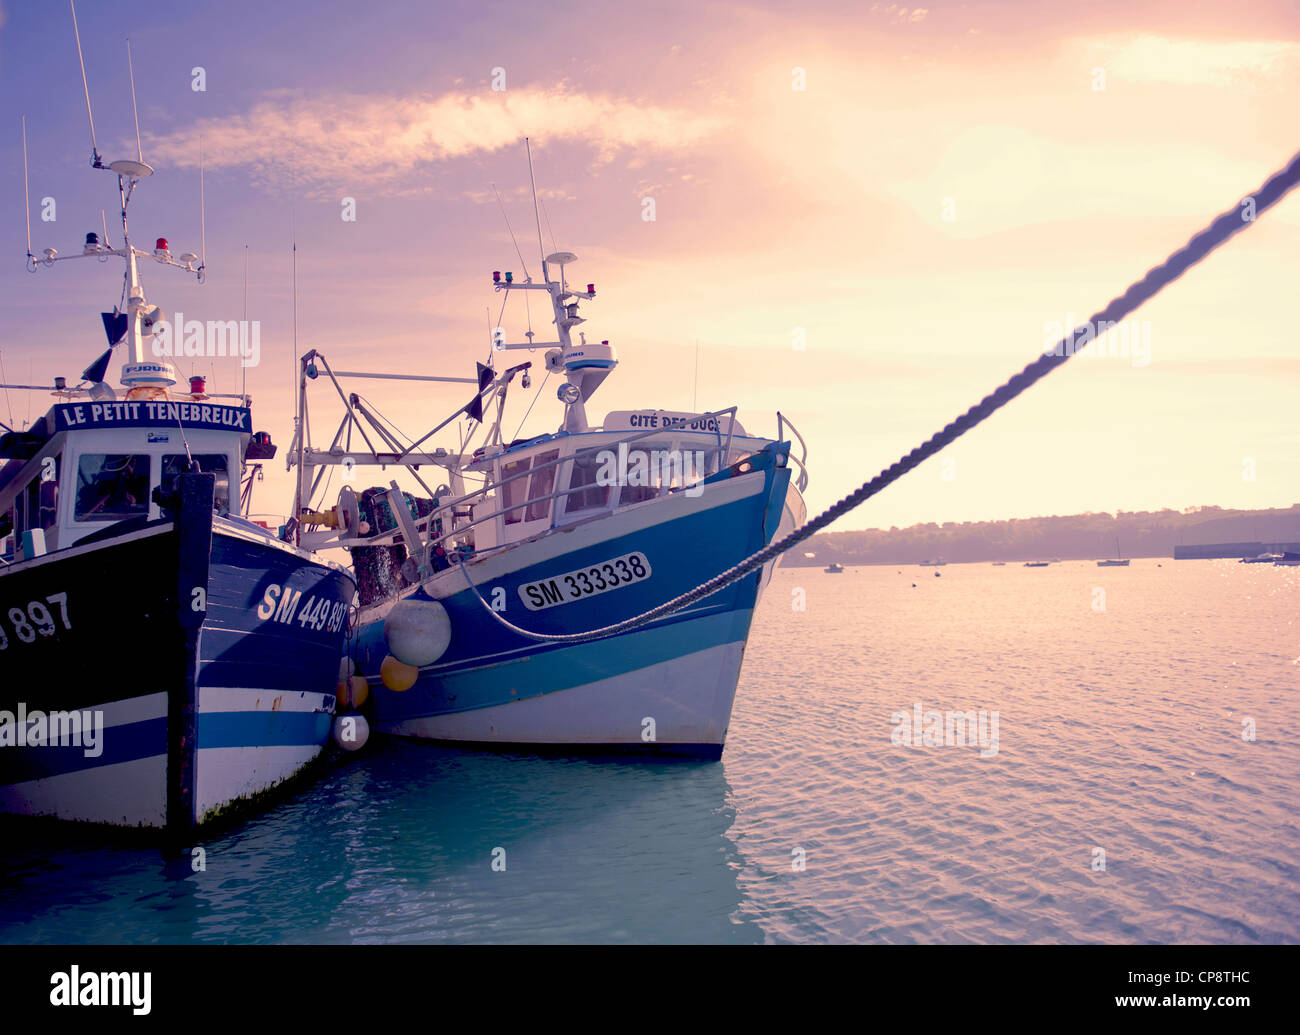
541	485
584	490
642	477
37	505
524	498
176	464
513	493
112	486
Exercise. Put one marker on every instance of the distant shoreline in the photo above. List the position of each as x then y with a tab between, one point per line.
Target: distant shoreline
1199	533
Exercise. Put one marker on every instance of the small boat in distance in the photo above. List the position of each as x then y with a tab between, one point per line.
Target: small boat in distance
1119	561
834	568
1037	564
1263	558
934	564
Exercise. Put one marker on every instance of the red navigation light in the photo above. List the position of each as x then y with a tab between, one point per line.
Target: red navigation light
161	246
197	383
496	276
605	342
591	289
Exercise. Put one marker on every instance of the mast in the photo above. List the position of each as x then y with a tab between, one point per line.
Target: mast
585	365
140	369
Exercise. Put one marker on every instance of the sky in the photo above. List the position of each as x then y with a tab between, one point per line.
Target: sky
866	216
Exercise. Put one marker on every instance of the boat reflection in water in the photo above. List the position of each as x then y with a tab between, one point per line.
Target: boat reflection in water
423	844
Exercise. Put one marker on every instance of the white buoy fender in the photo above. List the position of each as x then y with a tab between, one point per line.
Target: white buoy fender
417	632
351	732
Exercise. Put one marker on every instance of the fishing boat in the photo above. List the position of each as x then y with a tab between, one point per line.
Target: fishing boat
1119	561
482	604
1037	564
834	568
164	658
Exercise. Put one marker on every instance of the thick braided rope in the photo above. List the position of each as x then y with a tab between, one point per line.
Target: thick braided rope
1231	222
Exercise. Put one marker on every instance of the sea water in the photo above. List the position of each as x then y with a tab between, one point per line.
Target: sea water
1143	786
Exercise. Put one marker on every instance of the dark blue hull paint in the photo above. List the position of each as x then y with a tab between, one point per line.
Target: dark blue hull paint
169	608
487	665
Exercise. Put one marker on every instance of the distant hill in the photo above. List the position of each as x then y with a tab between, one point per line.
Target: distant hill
1071	537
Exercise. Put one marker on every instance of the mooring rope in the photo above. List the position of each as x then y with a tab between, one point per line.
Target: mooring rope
1231	222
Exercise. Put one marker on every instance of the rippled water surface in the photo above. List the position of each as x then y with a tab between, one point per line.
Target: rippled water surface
1120	731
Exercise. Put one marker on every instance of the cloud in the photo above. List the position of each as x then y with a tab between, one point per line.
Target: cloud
1186	62
311	143
516	193
898	14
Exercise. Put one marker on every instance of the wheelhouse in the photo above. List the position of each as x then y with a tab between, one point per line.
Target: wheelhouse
84	467
563	479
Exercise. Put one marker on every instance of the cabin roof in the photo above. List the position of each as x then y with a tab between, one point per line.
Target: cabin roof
77	418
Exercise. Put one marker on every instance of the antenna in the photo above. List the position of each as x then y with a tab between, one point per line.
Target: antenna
293	359
8	401
502	206
695	390
551	232
541	249
527	309
139	153
300	397
27	198
203	229
94	148
243	367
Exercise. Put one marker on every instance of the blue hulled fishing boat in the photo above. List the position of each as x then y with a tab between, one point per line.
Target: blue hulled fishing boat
162	657
483	604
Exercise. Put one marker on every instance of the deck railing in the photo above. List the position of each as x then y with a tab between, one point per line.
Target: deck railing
783	422
481	493
454	508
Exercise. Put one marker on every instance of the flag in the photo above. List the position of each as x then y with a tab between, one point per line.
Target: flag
474	409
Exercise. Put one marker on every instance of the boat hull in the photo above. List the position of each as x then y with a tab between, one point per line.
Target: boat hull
169	644
663	689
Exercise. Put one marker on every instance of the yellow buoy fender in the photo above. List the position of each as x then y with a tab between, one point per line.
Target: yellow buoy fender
398	676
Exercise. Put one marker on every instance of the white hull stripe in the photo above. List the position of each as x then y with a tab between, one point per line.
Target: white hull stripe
687	698
252	699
